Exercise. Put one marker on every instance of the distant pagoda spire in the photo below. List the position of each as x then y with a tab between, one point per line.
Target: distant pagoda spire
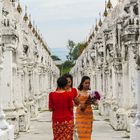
93	32
25	16
105	12
19	9
109	4
33	27
30	23
96	27
100	21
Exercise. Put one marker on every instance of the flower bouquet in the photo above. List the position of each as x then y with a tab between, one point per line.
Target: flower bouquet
93	98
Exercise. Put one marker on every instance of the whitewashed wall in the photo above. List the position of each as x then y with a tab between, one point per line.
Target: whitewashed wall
29	72
111	59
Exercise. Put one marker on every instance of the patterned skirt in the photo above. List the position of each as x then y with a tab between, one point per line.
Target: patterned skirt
63	130
84	122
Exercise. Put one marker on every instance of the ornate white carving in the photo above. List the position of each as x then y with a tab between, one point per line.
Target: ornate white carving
115	62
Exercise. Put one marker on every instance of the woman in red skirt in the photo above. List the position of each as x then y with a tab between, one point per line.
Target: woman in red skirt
61	105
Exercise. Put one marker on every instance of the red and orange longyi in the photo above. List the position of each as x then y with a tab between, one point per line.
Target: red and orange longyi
84	120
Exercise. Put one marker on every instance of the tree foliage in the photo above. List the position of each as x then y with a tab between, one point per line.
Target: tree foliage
78	50
75	50
65	67
70	46
55	58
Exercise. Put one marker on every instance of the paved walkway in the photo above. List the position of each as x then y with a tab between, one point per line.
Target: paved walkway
41	129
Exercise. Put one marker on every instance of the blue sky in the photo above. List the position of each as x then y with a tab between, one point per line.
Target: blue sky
63	20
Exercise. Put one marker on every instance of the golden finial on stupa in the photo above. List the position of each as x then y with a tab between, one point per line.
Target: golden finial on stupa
36	33
19	9
93	32
41	38
33	30
25	16
96	27
109	4
30	24
33	27
105	12
39	35
100	21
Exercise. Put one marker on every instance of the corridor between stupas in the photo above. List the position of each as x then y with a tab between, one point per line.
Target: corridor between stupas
28	73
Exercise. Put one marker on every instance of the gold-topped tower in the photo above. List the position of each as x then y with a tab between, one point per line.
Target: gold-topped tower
19	9
30	24
93	34
109	4
96	27
105	12
25	16
33	27
100	21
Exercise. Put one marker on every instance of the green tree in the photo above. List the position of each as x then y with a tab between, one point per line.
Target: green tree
70	46
66	67
55	58
75	51
78	50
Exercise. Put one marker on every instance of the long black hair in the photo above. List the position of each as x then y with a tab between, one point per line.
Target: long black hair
80	87
67	75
